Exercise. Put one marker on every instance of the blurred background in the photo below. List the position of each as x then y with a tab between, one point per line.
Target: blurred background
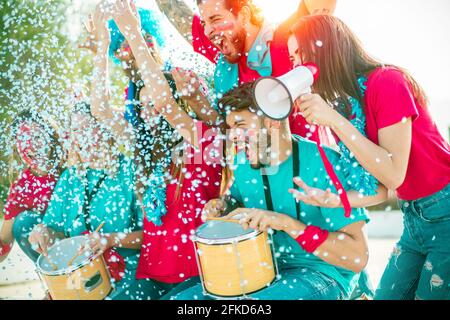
40	61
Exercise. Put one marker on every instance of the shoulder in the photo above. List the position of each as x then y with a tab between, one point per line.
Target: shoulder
385	78
308	148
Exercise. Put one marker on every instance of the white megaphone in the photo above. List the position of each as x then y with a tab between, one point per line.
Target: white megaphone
275	96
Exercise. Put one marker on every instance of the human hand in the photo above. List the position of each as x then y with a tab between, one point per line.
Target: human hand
259	219
127	18
315	197
316	111
213	209
41	238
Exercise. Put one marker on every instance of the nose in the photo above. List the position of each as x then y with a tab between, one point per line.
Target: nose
209	30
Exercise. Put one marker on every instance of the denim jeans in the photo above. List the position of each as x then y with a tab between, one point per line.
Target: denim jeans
364	287
295	284
22	226
419	267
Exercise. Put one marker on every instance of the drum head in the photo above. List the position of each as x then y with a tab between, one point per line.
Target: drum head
223	232
61	253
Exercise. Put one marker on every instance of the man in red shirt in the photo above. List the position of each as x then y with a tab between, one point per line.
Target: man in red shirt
234	35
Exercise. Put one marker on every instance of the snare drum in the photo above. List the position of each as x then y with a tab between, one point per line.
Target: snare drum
233	262
85	279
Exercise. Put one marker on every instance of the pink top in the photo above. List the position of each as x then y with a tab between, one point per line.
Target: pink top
167	253
29	192
389	100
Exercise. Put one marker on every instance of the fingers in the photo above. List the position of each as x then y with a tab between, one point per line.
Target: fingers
302	197
239	211
43	245
299	182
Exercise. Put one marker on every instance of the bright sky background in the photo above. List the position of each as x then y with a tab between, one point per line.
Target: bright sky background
414	34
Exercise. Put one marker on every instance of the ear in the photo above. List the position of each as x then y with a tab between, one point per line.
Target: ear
245	15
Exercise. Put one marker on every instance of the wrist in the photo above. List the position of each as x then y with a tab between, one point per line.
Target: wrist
337	121
292	226
111	240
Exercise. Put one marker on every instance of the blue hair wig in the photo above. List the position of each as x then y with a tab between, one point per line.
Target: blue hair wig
151	24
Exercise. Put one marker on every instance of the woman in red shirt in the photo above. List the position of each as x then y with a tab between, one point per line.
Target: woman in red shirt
399	145
37	146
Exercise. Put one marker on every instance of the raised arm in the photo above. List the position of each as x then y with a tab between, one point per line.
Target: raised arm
180	15
158	90
100	96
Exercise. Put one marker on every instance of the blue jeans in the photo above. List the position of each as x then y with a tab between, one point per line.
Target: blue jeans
22	226
295	284
363	288
419	267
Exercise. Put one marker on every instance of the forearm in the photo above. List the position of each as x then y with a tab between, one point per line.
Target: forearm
375	159
160	92
180	15
204	110
131	240
6	234
358	201
339	249
100	107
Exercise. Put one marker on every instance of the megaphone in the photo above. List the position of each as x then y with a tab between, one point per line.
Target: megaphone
275	96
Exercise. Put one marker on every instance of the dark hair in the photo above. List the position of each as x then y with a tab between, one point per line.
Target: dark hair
235	6
240	98
341	59
57	152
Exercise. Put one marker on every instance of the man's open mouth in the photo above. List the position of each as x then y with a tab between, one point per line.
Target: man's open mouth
221	44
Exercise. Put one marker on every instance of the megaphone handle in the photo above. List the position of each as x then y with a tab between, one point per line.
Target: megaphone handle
334	178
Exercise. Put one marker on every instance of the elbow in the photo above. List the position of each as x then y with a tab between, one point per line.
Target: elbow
359	267
395	182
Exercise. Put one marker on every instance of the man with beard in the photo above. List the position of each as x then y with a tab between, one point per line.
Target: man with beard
319	251
233	35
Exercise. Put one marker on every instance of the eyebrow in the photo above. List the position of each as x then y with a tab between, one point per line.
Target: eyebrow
239	122
215	16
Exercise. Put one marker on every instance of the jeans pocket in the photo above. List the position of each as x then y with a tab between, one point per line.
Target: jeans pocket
437	211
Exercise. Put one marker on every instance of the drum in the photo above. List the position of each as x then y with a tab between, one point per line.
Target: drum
233	262
85	279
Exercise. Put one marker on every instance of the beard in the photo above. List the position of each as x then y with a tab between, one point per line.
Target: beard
237	44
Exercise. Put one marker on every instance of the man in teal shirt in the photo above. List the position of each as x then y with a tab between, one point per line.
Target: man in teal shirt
263	173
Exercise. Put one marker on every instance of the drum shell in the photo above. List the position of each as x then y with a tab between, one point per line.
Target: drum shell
85	279
74	285
223	266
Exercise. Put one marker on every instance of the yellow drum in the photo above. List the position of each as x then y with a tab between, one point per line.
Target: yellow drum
85	279
233	262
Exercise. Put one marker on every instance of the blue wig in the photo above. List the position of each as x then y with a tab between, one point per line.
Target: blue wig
151	24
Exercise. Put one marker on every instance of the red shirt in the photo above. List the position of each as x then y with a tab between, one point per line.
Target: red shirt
281	64
29	192
167	253
389	99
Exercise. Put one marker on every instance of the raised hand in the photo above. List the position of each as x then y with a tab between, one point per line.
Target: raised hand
315	197
189	85
127	18
97	27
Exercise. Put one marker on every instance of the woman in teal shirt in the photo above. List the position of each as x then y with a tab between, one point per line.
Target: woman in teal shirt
98	189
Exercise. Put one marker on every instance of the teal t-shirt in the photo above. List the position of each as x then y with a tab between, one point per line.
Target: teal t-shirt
248	188
115	203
